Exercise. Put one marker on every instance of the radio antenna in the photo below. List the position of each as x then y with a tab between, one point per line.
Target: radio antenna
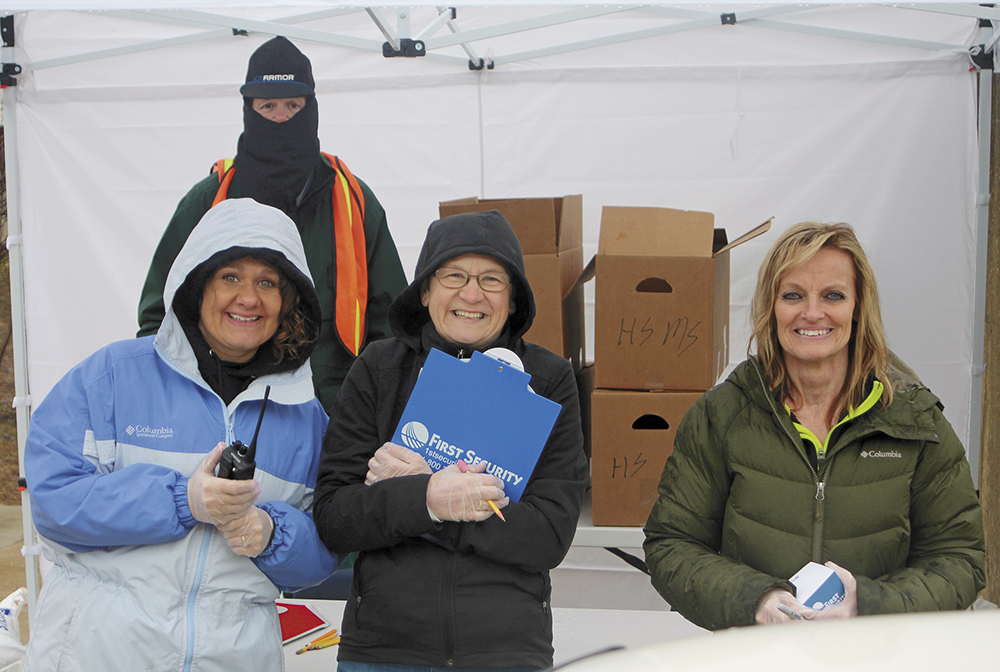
252	450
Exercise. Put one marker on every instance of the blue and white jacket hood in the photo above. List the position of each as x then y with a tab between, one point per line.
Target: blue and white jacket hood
233	229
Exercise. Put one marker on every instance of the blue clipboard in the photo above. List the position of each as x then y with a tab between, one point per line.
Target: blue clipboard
477	410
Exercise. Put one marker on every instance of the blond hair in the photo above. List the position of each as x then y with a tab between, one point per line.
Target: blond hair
868	351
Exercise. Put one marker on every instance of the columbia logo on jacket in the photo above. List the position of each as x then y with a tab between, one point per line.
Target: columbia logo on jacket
881	453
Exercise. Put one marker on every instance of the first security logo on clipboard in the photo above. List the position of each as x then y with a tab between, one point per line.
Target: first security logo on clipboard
480	410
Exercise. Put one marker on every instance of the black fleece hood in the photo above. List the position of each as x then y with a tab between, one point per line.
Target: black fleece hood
487	233
235	228
187	302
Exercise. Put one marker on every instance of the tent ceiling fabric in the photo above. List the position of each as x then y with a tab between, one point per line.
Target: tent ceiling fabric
750	120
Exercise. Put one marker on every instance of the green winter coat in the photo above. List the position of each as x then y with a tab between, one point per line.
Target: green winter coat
741	508
331	359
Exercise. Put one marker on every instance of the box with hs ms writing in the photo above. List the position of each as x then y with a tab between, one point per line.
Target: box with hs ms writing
661	307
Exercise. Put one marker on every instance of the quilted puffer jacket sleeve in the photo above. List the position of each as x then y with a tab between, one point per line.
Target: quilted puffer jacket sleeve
79	499
684	531
946	565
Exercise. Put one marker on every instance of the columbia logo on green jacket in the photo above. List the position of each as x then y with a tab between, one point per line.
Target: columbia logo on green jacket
880	453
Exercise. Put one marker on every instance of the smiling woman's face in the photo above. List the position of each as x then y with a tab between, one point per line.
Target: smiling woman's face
815	309
240	308
468	316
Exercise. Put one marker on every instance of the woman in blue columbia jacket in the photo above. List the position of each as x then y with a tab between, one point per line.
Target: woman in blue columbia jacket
157	564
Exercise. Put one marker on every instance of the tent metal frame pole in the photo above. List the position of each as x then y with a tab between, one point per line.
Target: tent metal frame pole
277	28
219	25
444	18
757	18
122	51
454	28
696	19
383	25
524	25
267	27
974	449
958	9
152	45
855	35
18	327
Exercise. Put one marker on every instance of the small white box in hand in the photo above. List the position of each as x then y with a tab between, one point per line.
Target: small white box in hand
818	586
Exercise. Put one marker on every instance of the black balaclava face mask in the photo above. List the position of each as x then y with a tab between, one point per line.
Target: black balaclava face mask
275	161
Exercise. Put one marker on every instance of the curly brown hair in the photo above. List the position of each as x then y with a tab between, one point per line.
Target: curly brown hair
295	328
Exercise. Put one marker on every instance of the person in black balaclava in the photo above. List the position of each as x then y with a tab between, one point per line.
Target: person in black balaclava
278	152
278	162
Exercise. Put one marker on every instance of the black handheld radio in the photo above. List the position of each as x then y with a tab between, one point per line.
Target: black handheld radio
237	461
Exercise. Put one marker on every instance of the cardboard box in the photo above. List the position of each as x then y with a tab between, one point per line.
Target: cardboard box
542	225
661	313
632	434
550	231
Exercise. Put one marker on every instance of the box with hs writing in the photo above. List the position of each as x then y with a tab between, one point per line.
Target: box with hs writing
661	308
632	435
550	231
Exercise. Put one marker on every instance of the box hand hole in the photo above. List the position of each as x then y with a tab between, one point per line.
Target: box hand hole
650	421
658	285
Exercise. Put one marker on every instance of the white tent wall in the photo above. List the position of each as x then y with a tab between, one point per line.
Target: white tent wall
742	122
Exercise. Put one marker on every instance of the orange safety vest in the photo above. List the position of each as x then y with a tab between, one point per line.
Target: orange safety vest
351	253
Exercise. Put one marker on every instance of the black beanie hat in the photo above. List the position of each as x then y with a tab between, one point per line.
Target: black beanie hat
278	70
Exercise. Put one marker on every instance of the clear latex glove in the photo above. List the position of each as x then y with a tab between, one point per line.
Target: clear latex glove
453	495
218	500
768	611
392	460
847	608
250	533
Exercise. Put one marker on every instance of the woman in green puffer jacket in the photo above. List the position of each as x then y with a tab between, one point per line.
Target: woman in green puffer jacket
821	447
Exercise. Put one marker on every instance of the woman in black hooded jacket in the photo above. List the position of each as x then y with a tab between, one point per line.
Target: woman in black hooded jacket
471	594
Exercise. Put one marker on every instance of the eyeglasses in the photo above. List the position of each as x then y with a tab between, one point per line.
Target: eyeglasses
456	278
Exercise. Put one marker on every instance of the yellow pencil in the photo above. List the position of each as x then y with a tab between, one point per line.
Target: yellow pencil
321	642
463	467
321	645
322	638
332	642
496	509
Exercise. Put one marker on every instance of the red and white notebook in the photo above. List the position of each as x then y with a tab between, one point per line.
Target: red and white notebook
298	620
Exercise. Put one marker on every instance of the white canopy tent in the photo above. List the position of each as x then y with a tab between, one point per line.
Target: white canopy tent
865	113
